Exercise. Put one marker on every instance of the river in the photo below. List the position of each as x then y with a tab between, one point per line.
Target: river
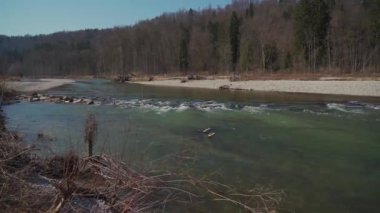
323	151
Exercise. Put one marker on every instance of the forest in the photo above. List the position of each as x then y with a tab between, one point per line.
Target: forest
324	36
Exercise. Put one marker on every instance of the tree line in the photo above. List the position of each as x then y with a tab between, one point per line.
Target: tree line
340	36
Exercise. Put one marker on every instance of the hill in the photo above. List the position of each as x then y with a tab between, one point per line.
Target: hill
340	36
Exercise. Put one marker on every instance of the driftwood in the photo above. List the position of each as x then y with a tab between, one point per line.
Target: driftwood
224	87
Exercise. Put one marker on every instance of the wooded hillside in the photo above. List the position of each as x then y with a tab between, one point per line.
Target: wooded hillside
245	36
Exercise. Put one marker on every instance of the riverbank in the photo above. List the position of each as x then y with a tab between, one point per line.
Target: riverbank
329	87
37	84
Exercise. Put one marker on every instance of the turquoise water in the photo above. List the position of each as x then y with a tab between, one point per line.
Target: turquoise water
323	151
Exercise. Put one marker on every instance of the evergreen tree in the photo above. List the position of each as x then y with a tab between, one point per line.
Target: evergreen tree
312	19
247	58
288	61
234	39
213	28
184	50
271	57
249	12
375	23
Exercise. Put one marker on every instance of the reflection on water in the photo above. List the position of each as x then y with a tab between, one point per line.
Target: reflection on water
323	151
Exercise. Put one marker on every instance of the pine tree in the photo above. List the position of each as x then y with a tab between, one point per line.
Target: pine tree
213	28
375	31
271	57
184	50
249	12
375	22
234	39
312	19
247	58
288	61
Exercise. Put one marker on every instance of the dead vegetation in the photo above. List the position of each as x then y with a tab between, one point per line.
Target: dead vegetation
6	95
18	169
70	183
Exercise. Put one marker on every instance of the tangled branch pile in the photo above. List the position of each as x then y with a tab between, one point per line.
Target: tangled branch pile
99	183
18	169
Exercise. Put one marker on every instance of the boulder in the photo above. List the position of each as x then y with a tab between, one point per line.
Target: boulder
44	98
54	99
211	134
66	98
33	99
77	101
88	101
206	130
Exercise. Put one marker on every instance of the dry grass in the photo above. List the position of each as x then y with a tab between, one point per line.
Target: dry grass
18	186
6	95
69	183
113	186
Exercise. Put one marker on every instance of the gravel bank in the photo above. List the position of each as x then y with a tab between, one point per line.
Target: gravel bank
355	88
37	85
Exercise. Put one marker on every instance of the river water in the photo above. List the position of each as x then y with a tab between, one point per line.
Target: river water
323	151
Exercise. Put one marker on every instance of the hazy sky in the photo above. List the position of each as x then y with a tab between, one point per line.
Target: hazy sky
20	17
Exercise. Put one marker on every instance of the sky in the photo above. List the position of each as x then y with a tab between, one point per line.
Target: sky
33	17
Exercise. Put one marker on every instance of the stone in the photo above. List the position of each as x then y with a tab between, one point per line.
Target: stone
88	101
44	98
206	130
65	98
77	101
33	99
211	134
